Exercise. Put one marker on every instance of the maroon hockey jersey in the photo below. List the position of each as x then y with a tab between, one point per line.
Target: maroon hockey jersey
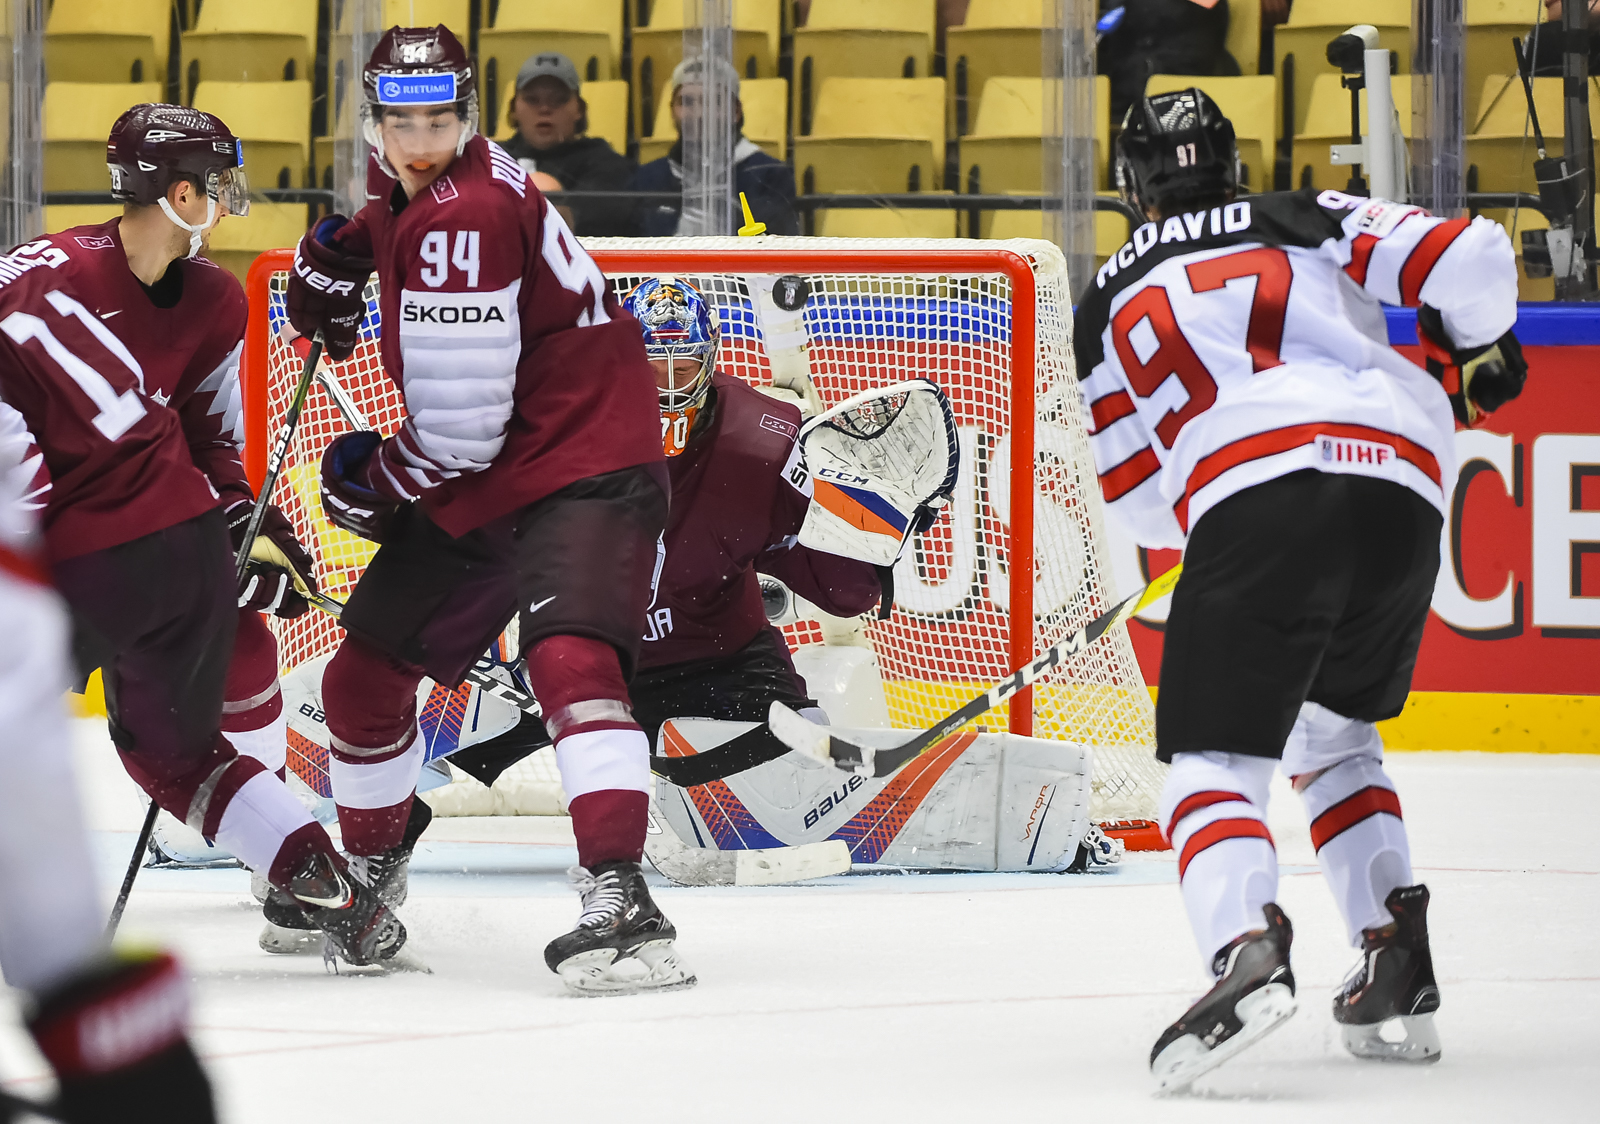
186	334
119	466
736	510
520	371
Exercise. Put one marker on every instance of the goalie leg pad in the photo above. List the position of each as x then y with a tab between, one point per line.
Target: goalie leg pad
1213	811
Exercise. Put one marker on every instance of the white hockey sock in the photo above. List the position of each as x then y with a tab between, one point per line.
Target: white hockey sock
1360	840
1213	811
258	818
268	745
597	760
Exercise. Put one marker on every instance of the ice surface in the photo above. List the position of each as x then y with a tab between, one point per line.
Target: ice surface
967	998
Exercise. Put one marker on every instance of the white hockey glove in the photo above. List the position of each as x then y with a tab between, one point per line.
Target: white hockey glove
881	464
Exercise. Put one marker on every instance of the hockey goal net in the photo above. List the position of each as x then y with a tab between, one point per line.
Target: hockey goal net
1019	561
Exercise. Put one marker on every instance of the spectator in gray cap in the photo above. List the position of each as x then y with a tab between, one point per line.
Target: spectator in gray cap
768	183
551	118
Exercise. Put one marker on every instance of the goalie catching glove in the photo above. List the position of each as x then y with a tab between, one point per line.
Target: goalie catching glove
279	574
1479	380
327	289
881	466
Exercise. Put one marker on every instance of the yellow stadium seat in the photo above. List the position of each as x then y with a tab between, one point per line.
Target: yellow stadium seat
454	14
1501	145
108	40
273	119
243	42
1244	39
885	222
659	47
1111	229
1001	38
77	119
608	114
1491	25
1328	123
766	109
859	39
874	135
1251	103
1005	150
238	241
64	216
1313	24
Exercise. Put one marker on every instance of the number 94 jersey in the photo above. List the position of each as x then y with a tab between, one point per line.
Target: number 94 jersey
1228	346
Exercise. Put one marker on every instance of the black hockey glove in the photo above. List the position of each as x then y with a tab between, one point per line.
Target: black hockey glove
279	573
347	497
1478	380
116	1035
327	289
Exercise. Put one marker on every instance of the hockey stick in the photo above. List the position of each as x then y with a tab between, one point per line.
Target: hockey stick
275	458
807	737
769	866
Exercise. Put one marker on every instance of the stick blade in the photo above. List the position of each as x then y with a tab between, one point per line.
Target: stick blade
796	732
776	866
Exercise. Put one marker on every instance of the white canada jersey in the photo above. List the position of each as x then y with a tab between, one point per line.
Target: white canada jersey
1230	346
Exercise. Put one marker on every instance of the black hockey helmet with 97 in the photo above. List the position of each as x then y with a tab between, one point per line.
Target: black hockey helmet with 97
414	66
1176	150
152	146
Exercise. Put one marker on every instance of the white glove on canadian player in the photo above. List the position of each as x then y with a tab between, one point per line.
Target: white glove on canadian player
881	464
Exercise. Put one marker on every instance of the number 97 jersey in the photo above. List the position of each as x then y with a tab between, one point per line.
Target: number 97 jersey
1224	347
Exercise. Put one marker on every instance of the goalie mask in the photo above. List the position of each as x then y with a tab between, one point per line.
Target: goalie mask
152	146
680	327
413	67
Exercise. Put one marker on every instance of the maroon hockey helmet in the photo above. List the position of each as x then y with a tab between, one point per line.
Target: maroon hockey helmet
413	66
152	146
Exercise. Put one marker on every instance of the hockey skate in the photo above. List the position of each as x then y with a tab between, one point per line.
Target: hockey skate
386	873
1254	995
356	926
1386	1005
288	931
623	942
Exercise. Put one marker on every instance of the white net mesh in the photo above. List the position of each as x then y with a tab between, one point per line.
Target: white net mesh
950	635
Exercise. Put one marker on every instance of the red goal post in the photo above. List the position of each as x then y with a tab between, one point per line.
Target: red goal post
1022	550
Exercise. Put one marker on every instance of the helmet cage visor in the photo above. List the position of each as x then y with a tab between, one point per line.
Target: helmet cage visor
678	396
231	188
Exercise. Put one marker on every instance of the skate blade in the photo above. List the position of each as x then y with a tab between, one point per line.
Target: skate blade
283	941
1180	1064
654	966
1415	1040
400	963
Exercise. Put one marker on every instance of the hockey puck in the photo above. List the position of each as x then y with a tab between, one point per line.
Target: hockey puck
791	292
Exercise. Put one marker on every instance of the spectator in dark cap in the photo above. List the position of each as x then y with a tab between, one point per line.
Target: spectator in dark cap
766	182
551	118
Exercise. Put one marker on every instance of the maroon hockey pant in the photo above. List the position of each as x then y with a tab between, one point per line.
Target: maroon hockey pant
158	615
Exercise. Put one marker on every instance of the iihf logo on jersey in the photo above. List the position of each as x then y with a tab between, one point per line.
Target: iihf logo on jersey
1351	451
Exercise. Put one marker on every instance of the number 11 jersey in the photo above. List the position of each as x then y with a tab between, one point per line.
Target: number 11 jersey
1225	347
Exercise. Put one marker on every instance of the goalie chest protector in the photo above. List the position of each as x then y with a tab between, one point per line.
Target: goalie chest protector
730	502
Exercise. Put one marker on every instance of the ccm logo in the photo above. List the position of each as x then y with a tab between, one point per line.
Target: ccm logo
450	314
321	281
842	477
